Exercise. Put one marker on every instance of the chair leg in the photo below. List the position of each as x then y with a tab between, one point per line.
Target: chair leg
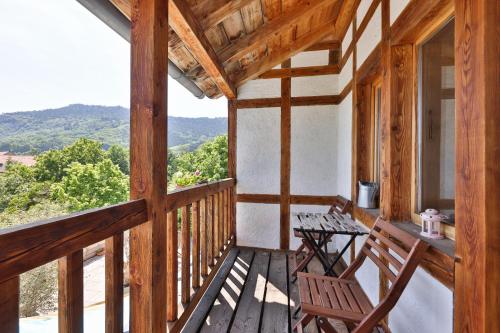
325	326
299	249
306	319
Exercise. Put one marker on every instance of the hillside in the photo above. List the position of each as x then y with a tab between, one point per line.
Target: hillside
38	131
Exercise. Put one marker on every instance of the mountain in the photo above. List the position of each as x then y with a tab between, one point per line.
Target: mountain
38	131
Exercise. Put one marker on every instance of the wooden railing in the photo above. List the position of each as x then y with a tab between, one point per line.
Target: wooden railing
207	233
207	225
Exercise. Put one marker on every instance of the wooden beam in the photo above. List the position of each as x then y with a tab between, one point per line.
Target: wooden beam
325	45
9	303
232	118
300	71
258	198
212	12
148	167
477	82
348	10
326	200
248	43
184	23
285	161
295	101
113	251
70	283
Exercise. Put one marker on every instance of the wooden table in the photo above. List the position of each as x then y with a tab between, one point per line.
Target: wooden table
317	229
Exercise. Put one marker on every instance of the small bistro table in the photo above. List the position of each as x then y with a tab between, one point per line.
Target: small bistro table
317	229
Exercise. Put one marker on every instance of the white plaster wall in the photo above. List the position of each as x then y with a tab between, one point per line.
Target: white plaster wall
363	7
263	88
258	150
313	169
396	7
426	305
310	58
315	85
343	149
347	39
346	74
258	225
370	37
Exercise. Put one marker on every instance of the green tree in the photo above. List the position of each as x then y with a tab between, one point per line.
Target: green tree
52	165
120	157
88	186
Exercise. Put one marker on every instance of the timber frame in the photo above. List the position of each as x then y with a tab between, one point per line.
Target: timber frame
202	38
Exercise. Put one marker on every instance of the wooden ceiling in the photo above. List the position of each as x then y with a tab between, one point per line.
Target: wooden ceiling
221	44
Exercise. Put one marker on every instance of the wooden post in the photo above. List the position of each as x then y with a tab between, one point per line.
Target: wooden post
9	305
210	231
70	310
354	117
204	237
195	218
172	265
185	255
216	225
114	283
232	114
477	83
148	163
286	119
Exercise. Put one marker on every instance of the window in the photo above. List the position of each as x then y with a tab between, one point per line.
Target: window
436	185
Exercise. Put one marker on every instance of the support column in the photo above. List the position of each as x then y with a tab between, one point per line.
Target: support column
232	116
148	163
477	83
286	87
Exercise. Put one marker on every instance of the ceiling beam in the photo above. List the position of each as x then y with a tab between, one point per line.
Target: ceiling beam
184	23
212	12
325	45
250	42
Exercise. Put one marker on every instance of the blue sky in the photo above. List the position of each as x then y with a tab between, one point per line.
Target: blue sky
54	53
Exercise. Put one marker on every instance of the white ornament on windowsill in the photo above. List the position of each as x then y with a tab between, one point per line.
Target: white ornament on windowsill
431	223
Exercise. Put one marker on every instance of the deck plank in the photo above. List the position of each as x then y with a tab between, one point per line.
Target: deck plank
275	314
248	314
219	317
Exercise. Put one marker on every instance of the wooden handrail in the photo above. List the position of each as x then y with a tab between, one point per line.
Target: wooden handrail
31	245
182	197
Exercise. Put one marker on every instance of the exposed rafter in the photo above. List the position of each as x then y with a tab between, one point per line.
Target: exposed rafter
275	27
184	23
212	12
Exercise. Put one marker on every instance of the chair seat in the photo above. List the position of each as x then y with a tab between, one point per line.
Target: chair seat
332	297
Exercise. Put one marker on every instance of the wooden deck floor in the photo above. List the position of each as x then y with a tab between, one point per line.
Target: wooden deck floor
252	292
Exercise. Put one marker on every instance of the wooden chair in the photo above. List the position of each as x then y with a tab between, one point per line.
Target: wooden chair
342	298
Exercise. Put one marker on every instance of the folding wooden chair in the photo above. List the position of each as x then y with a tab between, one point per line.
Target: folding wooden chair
341	206
342	298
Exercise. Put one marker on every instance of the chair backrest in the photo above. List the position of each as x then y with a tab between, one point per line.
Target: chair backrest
341	205
397	255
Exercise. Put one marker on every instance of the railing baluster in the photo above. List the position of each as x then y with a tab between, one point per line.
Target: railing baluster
71	293
196	244
222	221
216	225
210	228
226	216
9	305
172	265
185	255
203	233
114	283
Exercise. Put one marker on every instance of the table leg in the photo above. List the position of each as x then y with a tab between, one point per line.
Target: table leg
337	259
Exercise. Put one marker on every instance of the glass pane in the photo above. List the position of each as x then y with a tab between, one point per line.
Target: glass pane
437	124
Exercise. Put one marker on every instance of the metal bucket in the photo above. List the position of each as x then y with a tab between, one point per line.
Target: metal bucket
367	194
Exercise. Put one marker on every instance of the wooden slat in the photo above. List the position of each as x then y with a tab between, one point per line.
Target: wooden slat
183	21
300	72
31	245
393	246
313	288
210	230
285	161
113	251
275	314
204	238
70	283
384	253
185	255
249	310
232	116
387	272
250	42
216	220
9	303
396	233
148	167
226	216
477	83
222	221
172	265
226	302
195	217
185	196
350	298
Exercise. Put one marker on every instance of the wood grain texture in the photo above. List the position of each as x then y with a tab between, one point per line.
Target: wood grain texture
210	231
258	198
285	160
148	169
9	303
477	77
203	239
31	245
70	284
113	270
172	266
185	254
295	101
183	21
195	254
300	71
